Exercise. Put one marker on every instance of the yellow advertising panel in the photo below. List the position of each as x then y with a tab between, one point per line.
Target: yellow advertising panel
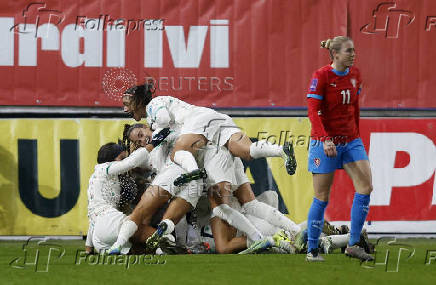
46	164
296	190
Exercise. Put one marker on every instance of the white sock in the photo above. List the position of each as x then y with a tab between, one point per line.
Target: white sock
128	228
237	220
271	215
265	228
303	225
170	226
264	148
186	160
339	241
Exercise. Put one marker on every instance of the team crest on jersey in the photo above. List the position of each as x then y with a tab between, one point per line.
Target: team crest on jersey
317	162
313	84
354	82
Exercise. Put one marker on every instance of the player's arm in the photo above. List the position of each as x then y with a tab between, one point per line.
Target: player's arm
159	114
313	109
139	158
315	97
89	246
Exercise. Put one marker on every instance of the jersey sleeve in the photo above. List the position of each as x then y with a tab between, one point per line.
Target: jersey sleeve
315	96
317	86
313	111
138	158
158	114
90	235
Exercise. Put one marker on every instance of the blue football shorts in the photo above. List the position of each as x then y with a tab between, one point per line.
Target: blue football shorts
349	152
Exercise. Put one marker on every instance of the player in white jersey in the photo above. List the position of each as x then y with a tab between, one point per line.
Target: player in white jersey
105	220
218	162
226	177
221	204
162	188
227	239
197	126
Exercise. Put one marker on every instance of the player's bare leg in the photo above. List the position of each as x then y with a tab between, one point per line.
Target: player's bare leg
143	233
225	237
177	209
360	173
152	199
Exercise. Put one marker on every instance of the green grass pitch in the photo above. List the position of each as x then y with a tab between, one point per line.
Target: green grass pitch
399	266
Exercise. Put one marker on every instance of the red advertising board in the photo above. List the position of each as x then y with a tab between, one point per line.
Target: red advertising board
402	154
212	53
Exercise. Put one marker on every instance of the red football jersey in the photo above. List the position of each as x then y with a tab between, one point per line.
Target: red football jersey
338	103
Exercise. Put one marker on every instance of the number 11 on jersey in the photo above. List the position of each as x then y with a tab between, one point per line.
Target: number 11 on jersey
345	96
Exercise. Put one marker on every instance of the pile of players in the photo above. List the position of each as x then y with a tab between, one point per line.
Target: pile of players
177	185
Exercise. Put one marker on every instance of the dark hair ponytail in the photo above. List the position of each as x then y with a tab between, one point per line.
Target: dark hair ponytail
141	94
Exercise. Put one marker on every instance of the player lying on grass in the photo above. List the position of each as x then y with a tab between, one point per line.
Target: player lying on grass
238	186
226	239
197	126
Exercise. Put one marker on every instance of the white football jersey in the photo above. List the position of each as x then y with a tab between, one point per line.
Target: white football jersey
103	191
177	112
104	187
160	155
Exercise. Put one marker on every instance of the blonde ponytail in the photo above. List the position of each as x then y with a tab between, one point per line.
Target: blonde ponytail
326	43
334	44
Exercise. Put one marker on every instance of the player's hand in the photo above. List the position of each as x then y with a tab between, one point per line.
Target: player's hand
330	149
159	136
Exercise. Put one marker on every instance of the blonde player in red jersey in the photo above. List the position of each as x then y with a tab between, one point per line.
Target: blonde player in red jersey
333	110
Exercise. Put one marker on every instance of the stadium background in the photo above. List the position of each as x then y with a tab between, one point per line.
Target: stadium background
250	59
